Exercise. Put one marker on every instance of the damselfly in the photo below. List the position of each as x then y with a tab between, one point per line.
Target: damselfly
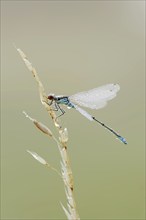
94	99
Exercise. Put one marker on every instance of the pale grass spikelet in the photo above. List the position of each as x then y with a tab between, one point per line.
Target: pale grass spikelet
67	176
37	157
28	64
70	203
68	214
39	125
26	61
63	135
65	156
21	53
43	128
63	171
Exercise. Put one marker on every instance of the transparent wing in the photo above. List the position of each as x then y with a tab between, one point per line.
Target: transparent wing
83	112
95	98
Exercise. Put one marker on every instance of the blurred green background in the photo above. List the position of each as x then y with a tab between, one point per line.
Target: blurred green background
75	46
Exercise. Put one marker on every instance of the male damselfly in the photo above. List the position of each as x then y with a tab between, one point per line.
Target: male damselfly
94	99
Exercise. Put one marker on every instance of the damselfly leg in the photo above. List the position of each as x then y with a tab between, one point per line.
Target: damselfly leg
56	107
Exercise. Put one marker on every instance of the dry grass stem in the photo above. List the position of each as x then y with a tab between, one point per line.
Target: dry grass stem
66	172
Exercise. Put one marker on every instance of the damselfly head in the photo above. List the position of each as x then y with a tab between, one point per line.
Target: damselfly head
51	96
